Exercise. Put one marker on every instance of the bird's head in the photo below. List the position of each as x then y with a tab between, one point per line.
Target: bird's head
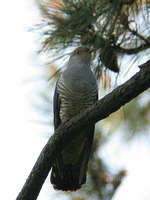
83	53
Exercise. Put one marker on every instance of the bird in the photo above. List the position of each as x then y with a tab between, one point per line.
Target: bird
75	91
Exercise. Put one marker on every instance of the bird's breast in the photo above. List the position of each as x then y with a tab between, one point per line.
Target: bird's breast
76	98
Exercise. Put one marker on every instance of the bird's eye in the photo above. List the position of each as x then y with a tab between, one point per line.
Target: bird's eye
77	51
87	50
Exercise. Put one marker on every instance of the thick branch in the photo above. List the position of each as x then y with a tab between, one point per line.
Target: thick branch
65	133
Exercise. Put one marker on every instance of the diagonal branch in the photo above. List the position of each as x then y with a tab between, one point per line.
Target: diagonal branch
65	133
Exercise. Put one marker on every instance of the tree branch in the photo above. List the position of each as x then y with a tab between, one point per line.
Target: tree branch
132	50
65	133
134	32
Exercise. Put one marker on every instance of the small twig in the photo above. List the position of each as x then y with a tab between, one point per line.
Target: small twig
132	50
139	35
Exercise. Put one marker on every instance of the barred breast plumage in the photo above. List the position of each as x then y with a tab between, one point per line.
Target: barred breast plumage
76	99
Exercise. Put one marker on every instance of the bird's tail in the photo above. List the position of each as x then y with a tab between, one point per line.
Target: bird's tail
67	178
70	167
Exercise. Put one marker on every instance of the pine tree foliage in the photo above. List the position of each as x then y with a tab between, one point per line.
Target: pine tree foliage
109	27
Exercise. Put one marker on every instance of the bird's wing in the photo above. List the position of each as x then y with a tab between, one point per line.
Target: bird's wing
56	108
84	157
87	148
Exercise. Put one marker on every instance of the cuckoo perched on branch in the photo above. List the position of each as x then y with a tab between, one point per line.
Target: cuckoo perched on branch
75	91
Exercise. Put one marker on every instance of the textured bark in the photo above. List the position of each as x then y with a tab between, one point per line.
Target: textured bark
66	132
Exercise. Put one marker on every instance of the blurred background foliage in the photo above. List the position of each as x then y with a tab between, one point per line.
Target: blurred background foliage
118	32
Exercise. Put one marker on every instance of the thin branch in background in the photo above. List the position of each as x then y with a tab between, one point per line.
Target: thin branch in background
132	50
147	41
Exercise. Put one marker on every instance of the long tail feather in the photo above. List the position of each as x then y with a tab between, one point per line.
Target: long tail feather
71	176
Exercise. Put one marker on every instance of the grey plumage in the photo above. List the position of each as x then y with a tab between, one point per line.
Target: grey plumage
75	91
